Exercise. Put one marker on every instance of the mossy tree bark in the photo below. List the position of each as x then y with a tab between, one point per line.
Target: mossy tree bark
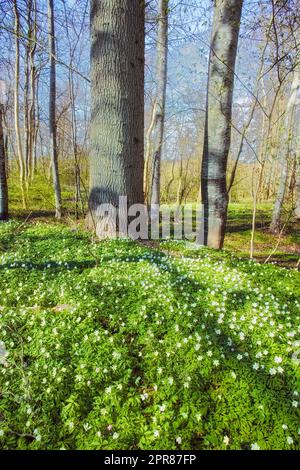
117	107
224	41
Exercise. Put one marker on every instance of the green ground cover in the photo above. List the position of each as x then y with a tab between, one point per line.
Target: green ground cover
116	345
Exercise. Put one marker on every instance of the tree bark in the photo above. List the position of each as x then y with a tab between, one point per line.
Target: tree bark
26	102
297	179
148	154
52	112
160	102
284	154
3	177
117	108
224	41
32	88
16	102
170	182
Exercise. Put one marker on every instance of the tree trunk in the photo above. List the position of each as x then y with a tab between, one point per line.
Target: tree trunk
269	181
284	155
77	170
180	190
161	77
16	101
297	179
26	105
170	182
36	118
32	88
52	112
117	108
259	79
3	178
148	154
226	24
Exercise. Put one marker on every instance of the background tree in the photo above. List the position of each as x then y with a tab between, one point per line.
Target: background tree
160	99
3	177
297	182
17	103
285	153
52	112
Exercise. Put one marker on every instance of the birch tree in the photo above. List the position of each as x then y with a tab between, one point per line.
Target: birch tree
224	41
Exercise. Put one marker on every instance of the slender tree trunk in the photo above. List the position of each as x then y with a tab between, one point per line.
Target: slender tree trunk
77	179
29	85
3	177
297	178
284	155
32	90
224	41
6	154
292	178
52	112
161	77
117	108
16	103
268	191
26	112
259	78
75	147
179	195
170	182
255	194
36	113
182	186
148	154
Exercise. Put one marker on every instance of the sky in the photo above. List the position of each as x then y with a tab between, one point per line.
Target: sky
189	35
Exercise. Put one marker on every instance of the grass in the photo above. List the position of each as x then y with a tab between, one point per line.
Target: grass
115	345
239	233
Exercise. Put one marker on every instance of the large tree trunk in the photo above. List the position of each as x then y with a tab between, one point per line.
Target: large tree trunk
284	154
52	112
3	178
226	24
160	102
117	108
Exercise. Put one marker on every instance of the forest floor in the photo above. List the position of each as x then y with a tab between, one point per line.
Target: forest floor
116	345
283	249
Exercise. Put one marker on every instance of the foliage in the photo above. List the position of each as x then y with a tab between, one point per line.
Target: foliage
118	346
